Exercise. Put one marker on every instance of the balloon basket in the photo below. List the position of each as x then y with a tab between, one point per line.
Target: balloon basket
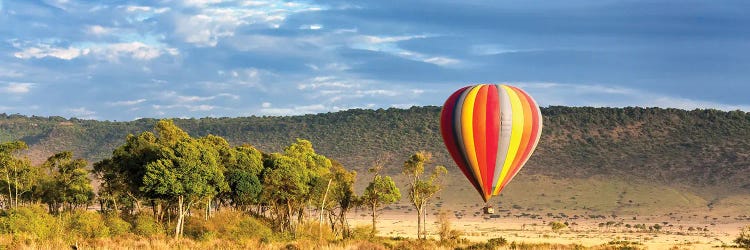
489	210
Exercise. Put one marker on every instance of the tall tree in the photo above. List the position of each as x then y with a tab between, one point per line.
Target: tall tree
422	190
243	177
68	185
380	192
19	175
123	173
342	193
187	171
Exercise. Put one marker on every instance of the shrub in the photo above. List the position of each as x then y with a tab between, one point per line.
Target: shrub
199	229
117	226
363	232
146	225
743	240
493	243
447	235
32	220
557	226
87	224
315	231
228	225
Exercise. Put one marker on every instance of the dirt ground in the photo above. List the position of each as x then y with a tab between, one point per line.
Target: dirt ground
685	234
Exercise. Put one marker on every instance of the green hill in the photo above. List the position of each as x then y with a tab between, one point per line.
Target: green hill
703	154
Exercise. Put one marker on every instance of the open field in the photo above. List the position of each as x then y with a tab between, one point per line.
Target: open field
586	232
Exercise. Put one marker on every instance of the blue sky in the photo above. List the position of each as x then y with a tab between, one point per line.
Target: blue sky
122	60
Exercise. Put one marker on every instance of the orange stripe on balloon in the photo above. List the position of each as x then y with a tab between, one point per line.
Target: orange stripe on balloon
480	135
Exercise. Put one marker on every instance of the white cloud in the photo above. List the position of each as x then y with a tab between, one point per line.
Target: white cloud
17	88
326	82
311	27
265	104
111	52
82	113
388	44
215	21
98	30
442	61
495	49
595	95
295	110
135	50
45	50
201	3
127	103
387	39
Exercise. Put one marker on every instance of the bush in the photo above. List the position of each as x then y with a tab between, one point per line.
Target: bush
146	225
117	226
743	240
557	226
87	224
231	225
315	231
493	243
363	232
32	220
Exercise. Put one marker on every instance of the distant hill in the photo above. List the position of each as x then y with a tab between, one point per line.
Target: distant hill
696	150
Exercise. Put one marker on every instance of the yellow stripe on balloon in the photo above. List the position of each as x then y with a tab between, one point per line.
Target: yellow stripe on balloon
467	131
515	136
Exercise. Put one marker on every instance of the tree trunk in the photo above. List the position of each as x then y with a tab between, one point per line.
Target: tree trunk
180	217
344	224
374	219
15	180
424	221
208	209
419	223
10	193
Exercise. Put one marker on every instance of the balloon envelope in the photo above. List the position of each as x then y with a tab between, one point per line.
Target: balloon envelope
490	130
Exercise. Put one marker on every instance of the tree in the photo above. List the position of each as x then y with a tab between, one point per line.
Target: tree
342	192
243	177
68	185
381	191
18	173
123	174
186	171
293	180
284	187
421	191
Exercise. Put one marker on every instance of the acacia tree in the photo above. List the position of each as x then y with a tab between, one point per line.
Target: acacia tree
380	192
342	193
293	180
186	172
422	190
68	185
243	177
284	188
20	176
122	175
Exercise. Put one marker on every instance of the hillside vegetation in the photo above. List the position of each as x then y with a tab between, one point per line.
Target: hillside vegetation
694	148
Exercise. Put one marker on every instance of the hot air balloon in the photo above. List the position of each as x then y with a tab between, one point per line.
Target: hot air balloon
490	130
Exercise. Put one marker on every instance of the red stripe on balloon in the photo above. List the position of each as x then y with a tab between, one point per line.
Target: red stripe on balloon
493	135
449	136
